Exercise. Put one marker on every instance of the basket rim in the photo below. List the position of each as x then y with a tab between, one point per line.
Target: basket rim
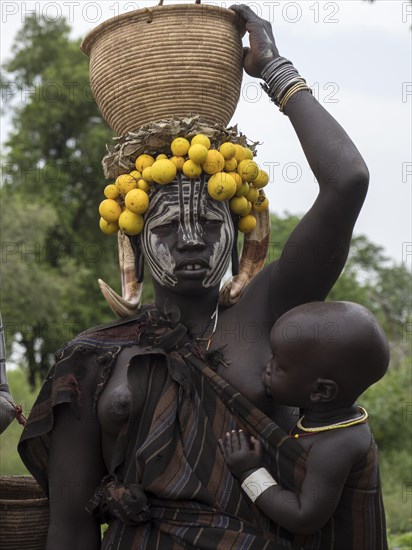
93	35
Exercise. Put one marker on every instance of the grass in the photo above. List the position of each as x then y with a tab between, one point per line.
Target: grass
10	462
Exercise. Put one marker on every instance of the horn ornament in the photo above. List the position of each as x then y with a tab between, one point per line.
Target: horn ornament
129	303
254	251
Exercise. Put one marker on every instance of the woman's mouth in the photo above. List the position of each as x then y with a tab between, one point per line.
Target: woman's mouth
193	269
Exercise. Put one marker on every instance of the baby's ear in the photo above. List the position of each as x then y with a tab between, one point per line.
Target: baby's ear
324	391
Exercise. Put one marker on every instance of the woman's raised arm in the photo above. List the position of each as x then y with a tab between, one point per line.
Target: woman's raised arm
317	249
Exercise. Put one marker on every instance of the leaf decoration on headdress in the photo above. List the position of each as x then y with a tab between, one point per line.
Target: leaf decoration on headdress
157	136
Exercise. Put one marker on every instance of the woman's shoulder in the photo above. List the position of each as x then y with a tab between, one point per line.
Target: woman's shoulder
120	332
257	298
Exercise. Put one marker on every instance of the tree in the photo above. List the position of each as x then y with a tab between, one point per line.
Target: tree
52	168
32	291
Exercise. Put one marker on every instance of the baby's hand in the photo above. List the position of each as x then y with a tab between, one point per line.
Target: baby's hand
239	455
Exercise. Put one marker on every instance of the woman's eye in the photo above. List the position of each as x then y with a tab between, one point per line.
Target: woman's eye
163	230
211	222
166	226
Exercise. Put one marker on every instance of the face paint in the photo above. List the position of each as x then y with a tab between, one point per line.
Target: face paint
184	223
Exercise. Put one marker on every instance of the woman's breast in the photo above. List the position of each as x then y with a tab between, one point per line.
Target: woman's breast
114	408
115	402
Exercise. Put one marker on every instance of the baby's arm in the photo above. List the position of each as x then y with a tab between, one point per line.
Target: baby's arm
327	468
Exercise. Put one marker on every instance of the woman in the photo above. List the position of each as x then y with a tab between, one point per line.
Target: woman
148	404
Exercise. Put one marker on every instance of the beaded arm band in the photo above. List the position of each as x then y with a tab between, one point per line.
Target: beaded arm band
257	483
282	81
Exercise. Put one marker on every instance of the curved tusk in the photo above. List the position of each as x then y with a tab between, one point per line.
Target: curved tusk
129	303
254	252
120	306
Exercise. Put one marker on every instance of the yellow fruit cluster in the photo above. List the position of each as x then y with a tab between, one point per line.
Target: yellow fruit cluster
234	176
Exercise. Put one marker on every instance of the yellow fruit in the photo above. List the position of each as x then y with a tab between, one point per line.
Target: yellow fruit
228	150
163	171
231	165
147	174
243	189
144	161
261	180
240	153
143	185
261	204
109	228
161	157
135	174
111	191
180	146
239	205
110	210
137	201
131	223
248	153
252	195
198	153
192	170
247	223
202	140
178	162
248	170
221	186
237	178
214	163
125	183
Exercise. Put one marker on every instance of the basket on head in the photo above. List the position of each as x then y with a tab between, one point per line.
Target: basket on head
164	62
24	511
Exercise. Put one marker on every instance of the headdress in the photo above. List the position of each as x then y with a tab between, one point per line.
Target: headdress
152	69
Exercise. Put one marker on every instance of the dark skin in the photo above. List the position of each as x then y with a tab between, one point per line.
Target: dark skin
329	460
310	373
280	286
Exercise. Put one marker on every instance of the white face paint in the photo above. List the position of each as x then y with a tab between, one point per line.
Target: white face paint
186	232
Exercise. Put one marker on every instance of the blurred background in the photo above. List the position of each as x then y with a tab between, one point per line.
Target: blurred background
355	55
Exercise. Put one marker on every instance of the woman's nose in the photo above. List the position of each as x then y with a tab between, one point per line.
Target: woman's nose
190	239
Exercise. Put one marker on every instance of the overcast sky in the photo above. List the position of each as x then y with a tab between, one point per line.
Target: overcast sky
357	58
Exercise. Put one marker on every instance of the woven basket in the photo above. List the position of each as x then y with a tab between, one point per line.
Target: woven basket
164	62
24	511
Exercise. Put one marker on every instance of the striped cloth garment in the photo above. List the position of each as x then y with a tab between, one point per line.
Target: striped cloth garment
168	485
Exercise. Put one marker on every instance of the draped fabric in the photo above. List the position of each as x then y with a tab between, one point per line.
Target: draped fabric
168	486
358	522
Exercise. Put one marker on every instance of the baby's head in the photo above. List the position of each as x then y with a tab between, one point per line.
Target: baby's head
325	354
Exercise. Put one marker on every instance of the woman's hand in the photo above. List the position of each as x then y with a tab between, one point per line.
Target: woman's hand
239	455
262	42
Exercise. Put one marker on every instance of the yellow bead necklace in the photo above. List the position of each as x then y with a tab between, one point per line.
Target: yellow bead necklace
337	425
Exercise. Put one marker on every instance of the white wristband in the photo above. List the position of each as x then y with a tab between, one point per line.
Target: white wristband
257	483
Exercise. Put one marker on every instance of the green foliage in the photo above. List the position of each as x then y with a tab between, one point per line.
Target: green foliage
378	283
389	405
401	541
10	462
395	466
52	187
